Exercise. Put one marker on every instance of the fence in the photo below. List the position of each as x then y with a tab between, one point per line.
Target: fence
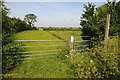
43	46
71	43
80	45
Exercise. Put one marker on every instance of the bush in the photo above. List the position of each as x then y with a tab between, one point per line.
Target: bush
62	55
10	59
97	63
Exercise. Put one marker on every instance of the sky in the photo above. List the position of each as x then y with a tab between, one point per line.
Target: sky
54	14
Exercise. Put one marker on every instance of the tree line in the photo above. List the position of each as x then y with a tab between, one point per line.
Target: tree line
61	28
13	24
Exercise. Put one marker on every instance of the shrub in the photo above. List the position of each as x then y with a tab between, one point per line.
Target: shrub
97	63
62	55
10	59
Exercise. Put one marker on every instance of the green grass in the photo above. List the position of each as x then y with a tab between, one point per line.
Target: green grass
34	35
44	35
46	65
42	67
66	34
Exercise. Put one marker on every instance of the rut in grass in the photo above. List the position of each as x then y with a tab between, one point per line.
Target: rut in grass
56	36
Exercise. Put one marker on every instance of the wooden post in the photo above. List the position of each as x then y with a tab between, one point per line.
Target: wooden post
71	47
107	30
71	43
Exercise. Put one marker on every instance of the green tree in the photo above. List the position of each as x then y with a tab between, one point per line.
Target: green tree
5	19
115	18
91	26
30	19
93	20
112	8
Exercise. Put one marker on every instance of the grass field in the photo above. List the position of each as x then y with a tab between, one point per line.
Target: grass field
45	66
42	66
44	35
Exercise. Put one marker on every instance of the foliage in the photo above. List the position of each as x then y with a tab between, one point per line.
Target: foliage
14	25
61	28
10	26
115	17
30	18
97	63
4	10
90	23
93	20
9	57
20	25
63	54
112	8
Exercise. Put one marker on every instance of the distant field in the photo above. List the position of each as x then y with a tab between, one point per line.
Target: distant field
67	34
42	66
45	35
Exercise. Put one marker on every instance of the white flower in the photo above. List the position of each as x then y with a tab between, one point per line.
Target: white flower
91	60
66	56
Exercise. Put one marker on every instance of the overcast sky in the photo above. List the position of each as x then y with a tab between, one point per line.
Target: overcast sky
58	14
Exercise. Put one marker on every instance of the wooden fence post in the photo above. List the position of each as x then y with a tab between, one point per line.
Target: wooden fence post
71	47
107	30
71	43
